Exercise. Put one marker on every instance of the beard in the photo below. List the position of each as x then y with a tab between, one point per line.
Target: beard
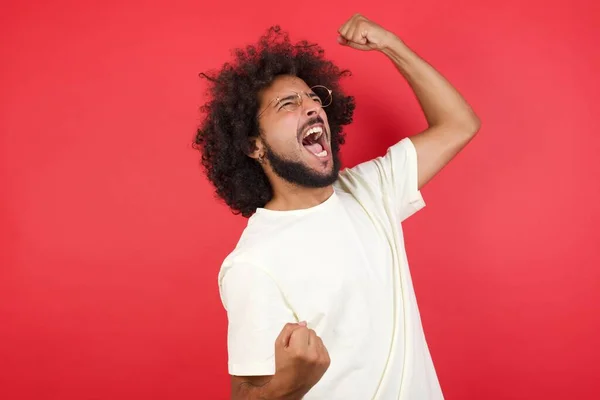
300	174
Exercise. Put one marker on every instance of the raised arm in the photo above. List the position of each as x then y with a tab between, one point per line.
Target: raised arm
452	122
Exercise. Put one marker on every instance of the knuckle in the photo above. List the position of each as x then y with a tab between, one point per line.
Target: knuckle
298	330
298	354
305	356
313	358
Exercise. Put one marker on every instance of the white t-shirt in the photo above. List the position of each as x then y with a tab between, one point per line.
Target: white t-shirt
342	267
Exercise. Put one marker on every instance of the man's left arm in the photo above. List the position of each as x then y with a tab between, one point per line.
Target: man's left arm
452	122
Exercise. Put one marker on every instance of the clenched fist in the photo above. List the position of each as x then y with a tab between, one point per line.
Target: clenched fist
362	34
301	359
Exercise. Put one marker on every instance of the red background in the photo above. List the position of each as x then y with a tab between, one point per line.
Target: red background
111	238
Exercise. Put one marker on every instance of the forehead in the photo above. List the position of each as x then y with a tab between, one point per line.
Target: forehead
283	85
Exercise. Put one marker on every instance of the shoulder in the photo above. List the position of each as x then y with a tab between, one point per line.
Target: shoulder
248	240
247	256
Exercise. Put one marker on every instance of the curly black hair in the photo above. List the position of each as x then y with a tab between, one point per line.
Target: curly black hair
223	137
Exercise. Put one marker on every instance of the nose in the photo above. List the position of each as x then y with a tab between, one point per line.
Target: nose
311	107
312	111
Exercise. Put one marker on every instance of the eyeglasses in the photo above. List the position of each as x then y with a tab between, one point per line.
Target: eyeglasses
318	93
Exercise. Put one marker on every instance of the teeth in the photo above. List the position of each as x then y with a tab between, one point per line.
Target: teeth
321	154
317	131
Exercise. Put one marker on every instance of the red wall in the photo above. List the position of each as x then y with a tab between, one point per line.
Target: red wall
111	239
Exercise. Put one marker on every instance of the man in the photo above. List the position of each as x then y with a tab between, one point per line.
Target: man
318	292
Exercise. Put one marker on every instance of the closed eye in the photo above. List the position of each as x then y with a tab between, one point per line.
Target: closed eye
316	98
287	103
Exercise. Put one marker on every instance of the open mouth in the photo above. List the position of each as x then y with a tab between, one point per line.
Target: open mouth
313	140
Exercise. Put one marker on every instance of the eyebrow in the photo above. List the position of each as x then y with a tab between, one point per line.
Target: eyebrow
290	97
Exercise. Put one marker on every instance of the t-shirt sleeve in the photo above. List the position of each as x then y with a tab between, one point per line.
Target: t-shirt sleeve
256	312
393	175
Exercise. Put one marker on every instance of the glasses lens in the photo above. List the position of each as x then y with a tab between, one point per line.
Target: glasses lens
323	94
291	102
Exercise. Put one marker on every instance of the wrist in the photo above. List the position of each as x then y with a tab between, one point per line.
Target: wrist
278	390
392	44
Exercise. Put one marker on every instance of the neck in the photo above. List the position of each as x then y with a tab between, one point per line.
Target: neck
287	197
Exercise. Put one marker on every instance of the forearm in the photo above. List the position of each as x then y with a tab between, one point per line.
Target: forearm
266	390
442	104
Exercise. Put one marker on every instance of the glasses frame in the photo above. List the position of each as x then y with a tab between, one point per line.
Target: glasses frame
299	95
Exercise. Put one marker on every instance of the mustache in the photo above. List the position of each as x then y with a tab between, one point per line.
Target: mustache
311	121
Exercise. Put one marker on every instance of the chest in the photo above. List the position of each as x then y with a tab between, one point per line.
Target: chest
336	273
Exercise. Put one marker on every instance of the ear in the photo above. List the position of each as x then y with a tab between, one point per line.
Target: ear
256	148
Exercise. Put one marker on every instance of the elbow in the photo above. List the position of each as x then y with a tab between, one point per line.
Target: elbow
469	126
474	125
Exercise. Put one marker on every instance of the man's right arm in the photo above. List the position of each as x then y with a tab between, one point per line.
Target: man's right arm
258	388
250	387
301	360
